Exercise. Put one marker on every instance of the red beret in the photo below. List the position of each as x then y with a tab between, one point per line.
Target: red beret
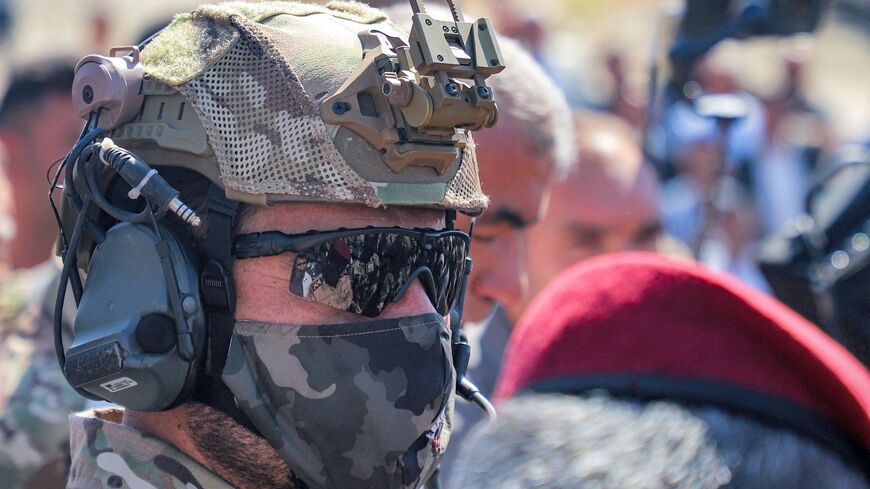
641	314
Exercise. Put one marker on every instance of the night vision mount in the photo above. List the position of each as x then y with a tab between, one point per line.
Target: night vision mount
415	101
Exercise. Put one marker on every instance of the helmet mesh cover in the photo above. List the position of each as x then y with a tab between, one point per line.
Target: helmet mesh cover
267	137
463	192
267	133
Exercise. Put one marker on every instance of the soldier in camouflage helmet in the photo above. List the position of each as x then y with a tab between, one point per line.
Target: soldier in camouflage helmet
335	370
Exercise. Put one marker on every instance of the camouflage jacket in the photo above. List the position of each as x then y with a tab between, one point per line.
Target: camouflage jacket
22	289
109	455
35	399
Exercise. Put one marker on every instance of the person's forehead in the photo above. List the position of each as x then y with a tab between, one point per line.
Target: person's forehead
514	174
595	200
299	218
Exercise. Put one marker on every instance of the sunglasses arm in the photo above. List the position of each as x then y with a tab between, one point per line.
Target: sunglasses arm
256	245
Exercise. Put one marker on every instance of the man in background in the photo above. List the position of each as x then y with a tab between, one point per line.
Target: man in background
609	202
519	159
531	146
633	370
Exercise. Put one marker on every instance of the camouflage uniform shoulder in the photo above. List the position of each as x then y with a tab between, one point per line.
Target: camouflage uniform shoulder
35	401
107	454
21	289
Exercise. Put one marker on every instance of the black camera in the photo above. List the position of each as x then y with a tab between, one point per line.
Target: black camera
819	265
756	17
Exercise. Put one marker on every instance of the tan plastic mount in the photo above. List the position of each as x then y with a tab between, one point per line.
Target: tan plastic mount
416	112
109	85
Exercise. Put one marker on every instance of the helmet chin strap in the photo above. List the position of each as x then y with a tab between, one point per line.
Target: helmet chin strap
220	299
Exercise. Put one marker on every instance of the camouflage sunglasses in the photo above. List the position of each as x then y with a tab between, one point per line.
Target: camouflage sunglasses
364	270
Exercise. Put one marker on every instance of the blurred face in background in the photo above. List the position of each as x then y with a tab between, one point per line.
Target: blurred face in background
516	178
700	162
42	134
608	203
7	225
58	128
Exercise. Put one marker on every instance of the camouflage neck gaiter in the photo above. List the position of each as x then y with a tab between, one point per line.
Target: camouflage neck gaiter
362	405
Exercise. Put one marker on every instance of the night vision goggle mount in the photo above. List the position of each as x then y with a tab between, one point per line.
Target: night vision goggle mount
415	101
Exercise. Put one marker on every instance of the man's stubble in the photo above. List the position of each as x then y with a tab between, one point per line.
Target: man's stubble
242	458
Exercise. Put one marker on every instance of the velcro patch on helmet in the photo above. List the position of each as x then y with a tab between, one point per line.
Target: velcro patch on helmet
356	11
187	47
195	41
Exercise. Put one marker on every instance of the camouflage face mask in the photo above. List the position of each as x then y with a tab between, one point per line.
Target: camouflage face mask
367	404
364	270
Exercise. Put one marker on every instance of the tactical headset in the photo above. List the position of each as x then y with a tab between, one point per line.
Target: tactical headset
140	328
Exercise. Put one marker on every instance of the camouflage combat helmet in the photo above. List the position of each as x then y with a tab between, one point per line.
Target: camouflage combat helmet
239	92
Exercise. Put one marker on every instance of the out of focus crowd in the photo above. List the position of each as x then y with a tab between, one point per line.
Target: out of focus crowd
639	370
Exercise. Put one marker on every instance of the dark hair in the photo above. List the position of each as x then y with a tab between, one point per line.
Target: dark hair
30	85
598	440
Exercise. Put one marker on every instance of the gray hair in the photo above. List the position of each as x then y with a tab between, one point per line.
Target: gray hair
556	441
531	101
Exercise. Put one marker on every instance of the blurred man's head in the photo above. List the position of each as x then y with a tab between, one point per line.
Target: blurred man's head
603	442
518	159
607	203
37	126
7	225
748	386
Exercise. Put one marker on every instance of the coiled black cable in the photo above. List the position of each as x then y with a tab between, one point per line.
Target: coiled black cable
69	264
87	137
92	174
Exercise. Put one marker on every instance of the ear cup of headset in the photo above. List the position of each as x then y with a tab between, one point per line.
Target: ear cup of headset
125	348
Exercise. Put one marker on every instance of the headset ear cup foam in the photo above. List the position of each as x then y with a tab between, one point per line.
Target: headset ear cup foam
125	348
